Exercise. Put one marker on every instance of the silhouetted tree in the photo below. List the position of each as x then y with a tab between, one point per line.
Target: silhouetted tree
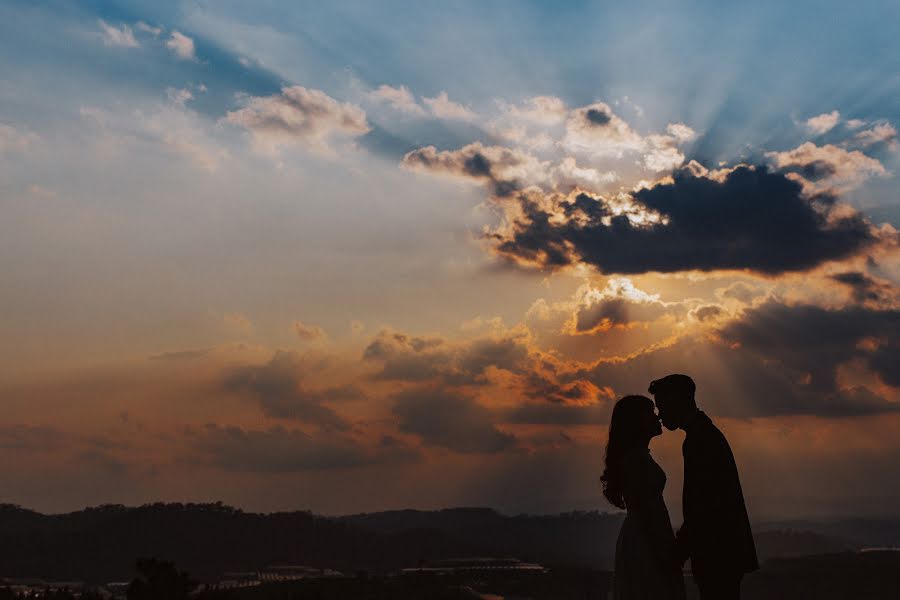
158	580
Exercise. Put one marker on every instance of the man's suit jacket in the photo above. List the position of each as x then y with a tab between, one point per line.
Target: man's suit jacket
716	531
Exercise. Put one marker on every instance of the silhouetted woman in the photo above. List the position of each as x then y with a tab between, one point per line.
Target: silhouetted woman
646	566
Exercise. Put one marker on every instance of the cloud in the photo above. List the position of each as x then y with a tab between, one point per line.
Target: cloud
179	96
449	420
147	28
747	218
503	169
826	168
238	323
543	110
707	312
881	134
865	288
499	364
406	357
181	45
557	149
410	358
277	387
400	98
619	304
443	108
569	176
823	123
13	140
749	381
299	115
117	36
308	332
277	450
597	131
170	126
813	341
740	291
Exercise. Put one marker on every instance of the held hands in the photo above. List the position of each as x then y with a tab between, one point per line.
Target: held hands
682	546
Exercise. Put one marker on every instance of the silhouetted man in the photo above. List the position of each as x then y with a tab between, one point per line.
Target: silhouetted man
715	533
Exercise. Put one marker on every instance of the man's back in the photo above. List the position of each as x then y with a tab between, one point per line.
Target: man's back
717	531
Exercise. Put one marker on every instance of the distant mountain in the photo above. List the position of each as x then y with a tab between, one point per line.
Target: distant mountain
575	539
101	544
858	532
792	543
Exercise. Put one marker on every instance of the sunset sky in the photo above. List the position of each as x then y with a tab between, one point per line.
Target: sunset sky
353	256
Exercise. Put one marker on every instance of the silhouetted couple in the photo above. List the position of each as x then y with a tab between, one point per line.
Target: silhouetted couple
715	533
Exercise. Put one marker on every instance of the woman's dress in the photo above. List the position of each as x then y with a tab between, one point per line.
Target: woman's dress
646	568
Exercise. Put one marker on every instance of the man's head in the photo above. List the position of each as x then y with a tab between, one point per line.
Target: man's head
674	396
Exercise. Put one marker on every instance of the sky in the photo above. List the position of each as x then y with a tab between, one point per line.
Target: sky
359	256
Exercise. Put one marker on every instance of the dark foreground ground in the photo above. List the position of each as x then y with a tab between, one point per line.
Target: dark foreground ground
866	576
859	576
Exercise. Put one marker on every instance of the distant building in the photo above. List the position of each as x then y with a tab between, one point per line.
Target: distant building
239	580
475	564
295	572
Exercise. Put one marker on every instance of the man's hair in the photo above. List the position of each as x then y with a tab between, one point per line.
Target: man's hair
675	384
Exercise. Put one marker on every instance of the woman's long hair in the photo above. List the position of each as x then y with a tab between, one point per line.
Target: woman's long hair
627	429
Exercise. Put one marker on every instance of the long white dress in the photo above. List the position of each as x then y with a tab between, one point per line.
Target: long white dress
645	564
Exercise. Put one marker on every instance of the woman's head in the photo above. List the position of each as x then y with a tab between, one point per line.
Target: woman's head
632	425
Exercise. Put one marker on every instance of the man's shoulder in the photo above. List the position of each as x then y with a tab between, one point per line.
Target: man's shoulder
706	434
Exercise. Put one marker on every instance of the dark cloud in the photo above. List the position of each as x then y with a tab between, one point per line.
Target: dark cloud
740	291
545	385
488	164
706	312
502	353
449	420
277	387
454	367
814	170
277	450
749	219
885	360
775	359
410	358
597	117
477	165
863	287
734	381
813	340
612	311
